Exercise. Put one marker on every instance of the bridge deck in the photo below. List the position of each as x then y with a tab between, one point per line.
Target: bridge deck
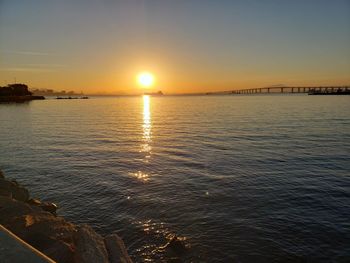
296	90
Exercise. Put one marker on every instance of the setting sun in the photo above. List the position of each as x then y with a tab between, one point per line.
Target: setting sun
145	79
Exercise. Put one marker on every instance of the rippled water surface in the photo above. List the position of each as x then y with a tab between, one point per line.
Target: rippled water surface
240	178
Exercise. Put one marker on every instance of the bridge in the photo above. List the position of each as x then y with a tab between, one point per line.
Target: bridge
288	90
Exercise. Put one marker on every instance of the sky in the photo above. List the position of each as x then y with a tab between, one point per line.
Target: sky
189	45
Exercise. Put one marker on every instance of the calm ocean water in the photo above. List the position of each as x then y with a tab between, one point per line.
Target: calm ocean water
241	178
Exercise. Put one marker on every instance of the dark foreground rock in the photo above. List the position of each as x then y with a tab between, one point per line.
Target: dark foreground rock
36	223
116	249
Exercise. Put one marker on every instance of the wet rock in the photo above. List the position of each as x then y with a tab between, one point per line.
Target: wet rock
46	206
49	207
90	247
175	246
117	252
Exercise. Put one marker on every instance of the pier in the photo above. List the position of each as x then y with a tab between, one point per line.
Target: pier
329	90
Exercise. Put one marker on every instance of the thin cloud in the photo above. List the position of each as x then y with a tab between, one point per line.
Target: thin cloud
28	53
41	65
37	67
28	69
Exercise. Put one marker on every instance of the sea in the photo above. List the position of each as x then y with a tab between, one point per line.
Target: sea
237	178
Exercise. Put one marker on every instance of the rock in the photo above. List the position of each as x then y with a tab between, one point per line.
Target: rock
90	247
117	252
14	183
1	174
5	187
49	207
46	206
36	223
5	192
34	202
54	227
42	229
61	252
11	208
18	192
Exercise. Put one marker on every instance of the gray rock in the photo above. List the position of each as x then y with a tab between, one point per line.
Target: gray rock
117	252
90	247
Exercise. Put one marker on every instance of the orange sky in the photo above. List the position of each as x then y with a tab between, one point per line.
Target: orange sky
195	46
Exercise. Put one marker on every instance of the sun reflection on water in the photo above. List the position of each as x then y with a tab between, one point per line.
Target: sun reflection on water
147	128
141	176
145	147
146	119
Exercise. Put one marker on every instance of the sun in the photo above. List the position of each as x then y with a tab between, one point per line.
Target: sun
145	79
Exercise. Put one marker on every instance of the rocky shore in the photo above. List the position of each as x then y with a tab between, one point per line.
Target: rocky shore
37	223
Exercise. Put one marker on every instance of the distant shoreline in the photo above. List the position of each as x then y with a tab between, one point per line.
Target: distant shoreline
17	93
19	99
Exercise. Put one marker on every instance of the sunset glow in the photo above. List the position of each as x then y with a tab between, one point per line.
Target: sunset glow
193	130
139	45
145	79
